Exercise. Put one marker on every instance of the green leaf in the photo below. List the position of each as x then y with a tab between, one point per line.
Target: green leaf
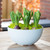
18	16
12	14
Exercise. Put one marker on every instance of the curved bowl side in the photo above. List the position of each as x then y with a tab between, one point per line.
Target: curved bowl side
25	37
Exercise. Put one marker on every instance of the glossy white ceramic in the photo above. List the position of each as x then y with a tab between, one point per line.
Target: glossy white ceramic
25	37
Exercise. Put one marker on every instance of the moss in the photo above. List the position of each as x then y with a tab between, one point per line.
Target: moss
30	27
22	26
11	25
39	26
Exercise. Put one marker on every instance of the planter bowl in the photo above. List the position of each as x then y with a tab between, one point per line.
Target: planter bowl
25	37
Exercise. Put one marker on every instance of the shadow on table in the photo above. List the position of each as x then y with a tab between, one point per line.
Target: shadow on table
18	47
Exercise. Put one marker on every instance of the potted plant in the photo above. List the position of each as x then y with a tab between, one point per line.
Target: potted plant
25	33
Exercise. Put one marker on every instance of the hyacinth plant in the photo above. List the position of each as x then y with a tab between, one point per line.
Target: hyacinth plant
36	18
27	17
15	18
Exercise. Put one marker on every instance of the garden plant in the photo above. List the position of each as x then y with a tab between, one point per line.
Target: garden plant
25	33
15	18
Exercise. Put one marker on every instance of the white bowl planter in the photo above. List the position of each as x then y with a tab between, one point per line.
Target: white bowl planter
25	37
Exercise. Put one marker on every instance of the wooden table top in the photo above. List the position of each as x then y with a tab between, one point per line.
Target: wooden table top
43	44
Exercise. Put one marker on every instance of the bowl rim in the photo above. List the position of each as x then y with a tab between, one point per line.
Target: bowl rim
26	30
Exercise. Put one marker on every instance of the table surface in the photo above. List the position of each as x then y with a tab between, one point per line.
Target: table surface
43	44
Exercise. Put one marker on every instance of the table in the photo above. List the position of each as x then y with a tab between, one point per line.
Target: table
43	44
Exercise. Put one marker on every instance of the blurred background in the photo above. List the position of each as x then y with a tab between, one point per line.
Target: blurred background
6	6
